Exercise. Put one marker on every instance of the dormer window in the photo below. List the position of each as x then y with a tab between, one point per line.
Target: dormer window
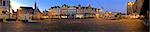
64	5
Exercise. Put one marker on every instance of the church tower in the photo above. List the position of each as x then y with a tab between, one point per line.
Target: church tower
37	14
36	8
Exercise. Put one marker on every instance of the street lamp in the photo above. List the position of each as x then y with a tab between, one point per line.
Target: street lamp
131	3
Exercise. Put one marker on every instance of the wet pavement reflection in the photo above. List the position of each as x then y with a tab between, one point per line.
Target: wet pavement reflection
70	25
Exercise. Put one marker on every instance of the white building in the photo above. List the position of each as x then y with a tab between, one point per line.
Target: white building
73	11
4	7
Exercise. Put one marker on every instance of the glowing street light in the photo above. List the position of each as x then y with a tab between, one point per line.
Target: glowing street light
131	3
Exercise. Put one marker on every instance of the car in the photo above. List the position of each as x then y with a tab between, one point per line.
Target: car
89	16
64	17
80	16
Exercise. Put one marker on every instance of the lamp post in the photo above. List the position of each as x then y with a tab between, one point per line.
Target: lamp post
130	7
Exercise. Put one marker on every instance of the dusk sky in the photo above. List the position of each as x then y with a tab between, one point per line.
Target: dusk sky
108	5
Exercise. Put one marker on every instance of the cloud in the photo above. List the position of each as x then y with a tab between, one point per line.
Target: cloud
15	5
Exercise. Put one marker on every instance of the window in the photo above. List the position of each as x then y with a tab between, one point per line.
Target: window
4	3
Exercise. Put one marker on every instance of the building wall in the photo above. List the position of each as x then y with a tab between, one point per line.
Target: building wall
24	13
37	15
1	7
30	11
138	6
135	8
70	11
4	5
20	13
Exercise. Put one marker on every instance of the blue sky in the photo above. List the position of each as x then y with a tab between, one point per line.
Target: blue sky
108	5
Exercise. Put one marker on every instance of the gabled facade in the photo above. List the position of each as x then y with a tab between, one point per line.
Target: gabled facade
37	14
145	10
73	9
138	6
24	13
4	6
27	10
66	10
